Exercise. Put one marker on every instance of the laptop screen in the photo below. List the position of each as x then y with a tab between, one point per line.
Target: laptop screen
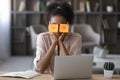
66	67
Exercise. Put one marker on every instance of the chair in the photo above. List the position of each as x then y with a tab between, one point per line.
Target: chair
89	37
34	31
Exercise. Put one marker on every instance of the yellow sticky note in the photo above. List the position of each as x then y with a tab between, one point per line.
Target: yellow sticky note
64	28
53	27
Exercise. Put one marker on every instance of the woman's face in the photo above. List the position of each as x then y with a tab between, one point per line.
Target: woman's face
57	19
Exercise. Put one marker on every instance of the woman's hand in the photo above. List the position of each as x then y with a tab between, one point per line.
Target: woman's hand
58	39
63	50
54	38
61	38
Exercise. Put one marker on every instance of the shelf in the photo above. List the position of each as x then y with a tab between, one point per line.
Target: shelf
27	12
109	13
110	43
110	29
78	12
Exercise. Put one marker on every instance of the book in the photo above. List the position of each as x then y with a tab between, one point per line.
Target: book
42	5
105	24
88	6
96	6
37	6
82	6
22	6
21	74
14	5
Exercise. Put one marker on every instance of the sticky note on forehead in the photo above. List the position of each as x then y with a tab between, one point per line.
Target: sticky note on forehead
64	28
53	27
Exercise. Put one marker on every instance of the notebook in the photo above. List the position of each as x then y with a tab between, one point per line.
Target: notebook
21	74
73	67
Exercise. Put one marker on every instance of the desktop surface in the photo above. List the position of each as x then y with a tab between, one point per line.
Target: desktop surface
49	77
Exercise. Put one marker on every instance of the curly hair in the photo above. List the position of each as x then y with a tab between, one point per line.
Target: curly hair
59	8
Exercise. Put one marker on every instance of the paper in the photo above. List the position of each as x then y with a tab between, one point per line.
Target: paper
53	27
59	28
64	28
21	74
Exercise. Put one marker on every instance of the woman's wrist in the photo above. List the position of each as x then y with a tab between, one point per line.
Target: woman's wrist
55	43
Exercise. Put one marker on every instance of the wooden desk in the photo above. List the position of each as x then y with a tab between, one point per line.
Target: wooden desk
48	77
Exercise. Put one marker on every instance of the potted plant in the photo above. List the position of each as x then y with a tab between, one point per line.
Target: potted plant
108	69
101	51
104	51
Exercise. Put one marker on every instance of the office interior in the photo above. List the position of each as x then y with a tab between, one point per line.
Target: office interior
98	21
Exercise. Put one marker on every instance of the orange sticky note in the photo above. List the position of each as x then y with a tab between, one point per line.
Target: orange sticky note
64	28
53	27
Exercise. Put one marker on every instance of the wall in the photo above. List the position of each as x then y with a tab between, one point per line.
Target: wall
4	29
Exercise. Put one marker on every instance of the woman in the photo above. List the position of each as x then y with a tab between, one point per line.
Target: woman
49	44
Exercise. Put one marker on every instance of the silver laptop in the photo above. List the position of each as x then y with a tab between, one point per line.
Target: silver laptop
73	67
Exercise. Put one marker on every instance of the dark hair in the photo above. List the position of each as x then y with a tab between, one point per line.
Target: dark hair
59	8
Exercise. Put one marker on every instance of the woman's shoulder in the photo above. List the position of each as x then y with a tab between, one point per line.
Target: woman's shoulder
44	34
74	35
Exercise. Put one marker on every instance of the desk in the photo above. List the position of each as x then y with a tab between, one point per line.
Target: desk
99	62
48	77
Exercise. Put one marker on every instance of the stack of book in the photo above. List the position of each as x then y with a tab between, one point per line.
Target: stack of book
86	5
105	24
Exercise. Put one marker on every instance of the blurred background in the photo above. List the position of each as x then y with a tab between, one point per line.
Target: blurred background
98	21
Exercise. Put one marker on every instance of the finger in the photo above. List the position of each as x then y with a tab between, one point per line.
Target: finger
62	36
55	36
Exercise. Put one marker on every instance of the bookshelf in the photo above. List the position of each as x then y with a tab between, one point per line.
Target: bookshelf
104	16
92	12
23	14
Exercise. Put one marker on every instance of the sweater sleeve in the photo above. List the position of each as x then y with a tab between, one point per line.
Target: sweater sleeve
76	45
40	50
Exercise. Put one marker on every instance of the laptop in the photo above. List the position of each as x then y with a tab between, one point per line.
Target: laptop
73	67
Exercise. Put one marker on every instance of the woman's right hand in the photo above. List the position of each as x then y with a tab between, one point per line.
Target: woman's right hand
54	38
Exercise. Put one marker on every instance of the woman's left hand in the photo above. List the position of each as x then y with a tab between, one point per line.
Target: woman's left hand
62	36
63	50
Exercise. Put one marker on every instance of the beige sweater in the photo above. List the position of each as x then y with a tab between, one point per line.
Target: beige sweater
72	42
